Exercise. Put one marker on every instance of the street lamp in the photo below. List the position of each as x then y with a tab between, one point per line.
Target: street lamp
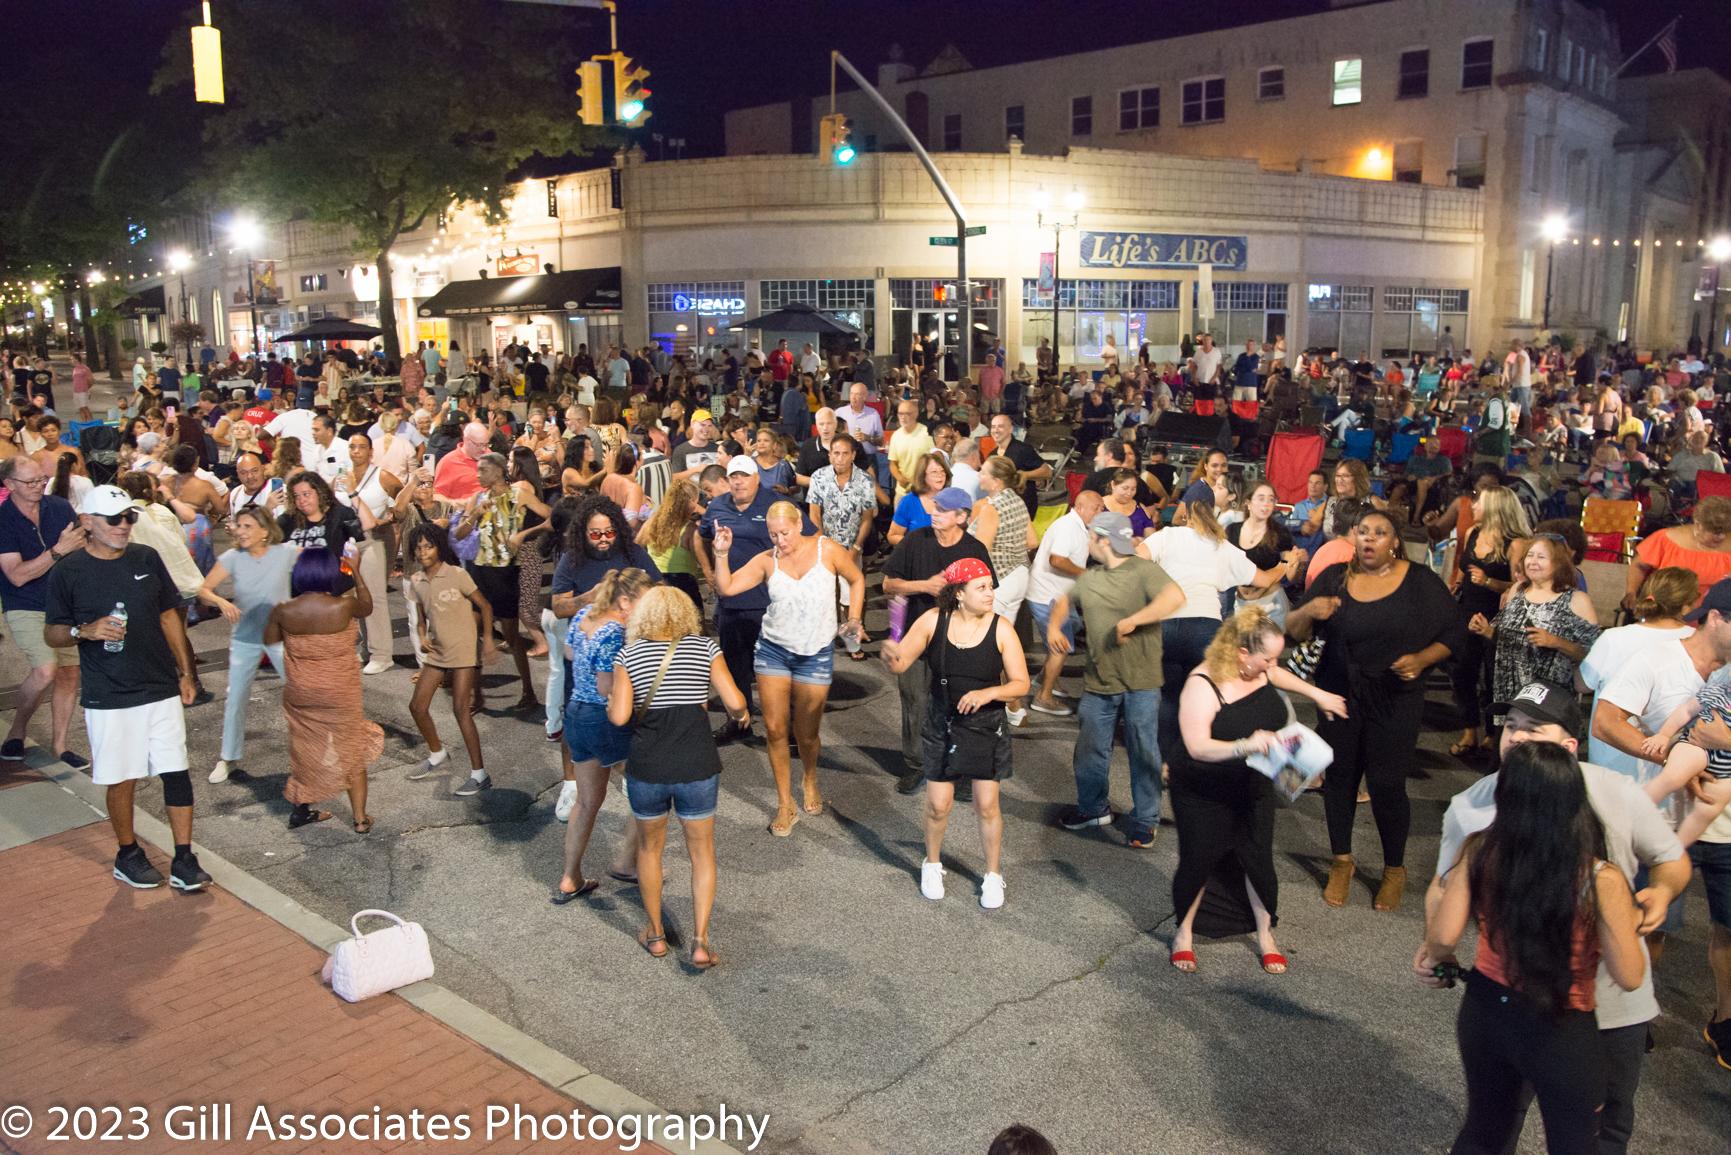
178	263
1044	215
246	234
1555	230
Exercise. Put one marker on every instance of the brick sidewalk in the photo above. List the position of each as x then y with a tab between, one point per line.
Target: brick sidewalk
118	996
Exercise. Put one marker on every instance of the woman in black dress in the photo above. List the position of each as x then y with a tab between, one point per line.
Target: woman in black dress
1499	522
1231	707
1384	622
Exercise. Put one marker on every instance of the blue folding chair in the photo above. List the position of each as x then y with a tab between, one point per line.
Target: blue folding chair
1402	447
1360	444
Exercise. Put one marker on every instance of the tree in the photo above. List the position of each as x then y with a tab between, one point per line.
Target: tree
380	116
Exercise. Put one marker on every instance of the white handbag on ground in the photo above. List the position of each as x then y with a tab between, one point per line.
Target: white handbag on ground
372	964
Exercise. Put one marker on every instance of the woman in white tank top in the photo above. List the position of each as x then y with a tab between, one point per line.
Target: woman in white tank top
794	661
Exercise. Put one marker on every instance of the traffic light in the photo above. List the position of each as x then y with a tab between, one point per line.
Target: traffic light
839	139
630	93
589	89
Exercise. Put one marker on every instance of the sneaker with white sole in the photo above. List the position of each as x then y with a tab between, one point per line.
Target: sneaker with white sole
1015	717
1058	711
132	868
220	774
932	880
186	874
378	666
992	891
567	799
427	769
472	786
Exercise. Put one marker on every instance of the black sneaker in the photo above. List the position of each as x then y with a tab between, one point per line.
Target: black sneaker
132	868
185	874
1718	1036
910	781
12	750
731	731
1073	819
75	760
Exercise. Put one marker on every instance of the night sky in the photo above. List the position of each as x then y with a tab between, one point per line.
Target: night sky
710	55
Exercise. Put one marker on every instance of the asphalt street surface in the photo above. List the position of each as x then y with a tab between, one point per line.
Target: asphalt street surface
864	1018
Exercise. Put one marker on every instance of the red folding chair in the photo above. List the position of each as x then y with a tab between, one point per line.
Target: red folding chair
1712	484
1291	457
1456	445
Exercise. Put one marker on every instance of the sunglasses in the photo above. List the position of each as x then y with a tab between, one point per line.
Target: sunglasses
130	517
602	534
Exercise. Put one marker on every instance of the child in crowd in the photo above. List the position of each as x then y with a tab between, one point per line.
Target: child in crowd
1685	761
1608	474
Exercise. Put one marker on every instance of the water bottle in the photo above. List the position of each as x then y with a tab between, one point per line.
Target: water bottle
115	645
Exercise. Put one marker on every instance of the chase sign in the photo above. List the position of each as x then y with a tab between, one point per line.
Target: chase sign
1162	251
685	303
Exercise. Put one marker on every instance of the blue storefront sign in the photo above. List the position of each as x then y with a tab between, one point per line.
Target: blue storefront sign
1163	251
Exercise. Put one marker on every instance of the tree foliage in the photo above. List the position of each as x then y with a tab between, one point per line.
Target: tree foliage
377	116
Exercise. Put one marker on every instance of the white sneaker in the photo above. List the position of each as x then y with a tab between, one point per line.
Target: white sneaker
992	892
1015	717
220	774
932	880
378	666
567	799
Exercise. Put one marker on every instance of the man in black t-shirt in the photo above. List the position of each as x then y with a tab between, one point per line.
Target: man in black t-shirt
1110	456
1034	469
116	602
915	571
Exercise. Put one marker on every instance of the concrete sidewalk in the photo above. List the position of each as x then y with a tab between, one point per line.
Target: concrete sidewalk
213	1003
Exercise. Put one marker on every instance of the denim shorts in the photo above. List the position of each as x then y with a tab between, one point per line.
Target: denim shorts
1713	863
773	661
588	734
692	801
1043	621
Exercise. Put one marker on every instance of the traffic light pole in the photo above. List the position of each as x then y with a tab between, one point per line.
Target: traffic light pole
965	307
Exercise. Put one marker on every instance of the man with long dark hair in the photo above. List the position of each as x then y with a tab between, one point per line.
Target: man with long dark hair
1635	834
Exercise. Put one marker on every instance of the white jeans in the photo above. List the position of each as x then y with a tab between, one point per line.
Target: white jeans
1012	590
243	660
555	629
375	571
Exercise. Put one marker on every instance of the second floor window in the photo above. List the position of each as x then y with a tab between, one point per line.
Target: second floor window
1014	122
952	132
1138	108
1348	81
1476	56
314	283
1271	84
1081	116
1205	100
1414	74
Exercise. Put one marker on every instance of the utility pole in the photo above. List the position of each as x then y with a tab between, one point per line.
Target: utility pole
965	306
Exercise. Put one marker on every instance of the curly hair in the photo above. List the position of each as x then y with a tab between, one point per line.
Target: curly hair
1249	629
577	535
319	486
664	614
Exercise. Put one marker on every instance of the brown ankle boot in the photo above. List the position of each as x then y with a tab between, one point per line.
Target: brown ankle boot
1393	888
1339	881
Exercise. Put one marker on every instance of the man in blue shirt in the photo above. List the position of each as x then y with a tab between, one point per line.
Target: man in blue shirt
1305	521
37	529
739	618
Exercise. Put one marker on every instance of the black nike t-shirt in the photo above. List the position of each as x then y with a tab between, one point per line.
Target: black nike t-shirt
83	588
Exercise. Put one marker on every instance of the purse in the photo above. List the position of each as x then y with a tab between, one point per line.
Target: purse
672	648
971	740
372	964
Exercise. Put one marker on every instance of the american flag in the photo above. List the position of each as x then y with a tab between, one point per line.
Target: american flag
1667	46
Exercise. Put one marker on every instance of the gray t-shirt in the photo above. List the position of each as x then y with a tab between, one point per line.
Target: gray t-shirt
1636	834
260	583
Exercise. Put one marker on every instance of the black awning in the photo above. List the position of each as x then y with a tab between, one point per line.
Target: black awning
145	303
577	289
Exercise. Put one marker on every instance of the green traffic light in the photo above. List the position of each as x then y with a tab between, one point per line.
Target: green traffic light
844	154
631	110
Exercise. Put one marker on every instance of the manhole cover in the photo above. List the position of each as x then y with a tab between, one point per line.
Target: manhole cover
850	689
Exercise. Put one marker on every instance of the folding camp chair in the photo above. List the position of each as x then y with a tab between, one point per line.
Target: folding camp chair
1612	528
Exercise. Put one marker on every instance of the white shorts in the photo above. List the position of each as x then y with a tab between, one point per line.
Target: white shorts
137	741
1012	591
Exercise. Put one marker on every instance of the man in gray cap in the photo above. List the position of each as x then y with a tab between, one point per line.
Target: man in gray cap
915	571
1123	599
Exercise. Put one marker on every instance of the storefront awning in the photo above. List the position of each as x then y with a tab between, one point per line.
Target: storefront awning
572	291
148	303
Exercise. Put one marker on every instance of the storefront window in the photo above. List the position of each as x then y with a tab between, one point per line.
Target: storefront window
1244	311
1134	313
929	304
853	300
1340	318
696	318
1414	318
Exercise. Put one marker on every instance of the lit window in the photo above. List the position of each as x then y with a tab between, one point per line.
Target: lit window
1348	81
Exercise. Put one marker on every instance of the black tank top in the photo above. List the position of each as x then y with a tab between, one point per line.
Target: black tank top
956	672
1233	780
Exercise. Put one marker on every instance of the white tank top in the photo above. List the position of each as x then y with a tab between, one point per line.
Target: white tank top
801	614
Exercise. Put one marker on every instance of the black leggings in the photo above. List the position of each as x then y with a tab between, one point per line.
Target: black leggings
1470	675
1375	748
1504	1044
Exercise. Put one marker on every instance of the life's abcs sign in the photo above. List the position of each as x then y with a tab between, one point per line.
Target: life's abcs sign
1116	250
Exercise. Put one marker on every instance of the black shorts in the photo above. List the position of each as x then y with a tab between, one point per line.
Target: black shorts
498	584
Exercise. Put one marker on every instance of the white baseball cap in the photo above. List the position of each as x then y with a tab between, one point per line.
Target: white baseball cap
104	500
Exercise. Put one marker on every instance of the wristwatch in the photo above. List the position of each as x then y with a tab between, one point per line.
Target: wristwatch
75	634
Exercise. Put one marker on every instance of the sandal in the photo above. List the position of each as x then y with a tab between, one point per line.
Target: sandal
364	825
710	957
307	818
621	876
650	941
1393	888
562	896
812	801
781	829
858	656
1274	963
1185	961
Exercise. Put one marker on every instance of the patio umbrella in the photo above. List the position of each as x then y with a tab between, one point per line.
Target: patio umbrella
333	329
799	318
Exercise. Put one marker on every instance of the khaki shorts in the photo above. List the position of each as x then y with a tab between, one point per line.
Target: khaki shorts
26	627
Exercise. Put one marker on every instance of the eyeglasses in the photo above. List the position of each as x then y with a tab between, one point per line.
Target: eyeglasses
29	481
602	534
130	517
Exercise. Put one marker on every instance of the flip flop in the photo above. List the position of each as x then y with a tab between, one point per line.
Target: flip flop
561	897
297	821
1274	963
1185	961
621	876
648	942
810	809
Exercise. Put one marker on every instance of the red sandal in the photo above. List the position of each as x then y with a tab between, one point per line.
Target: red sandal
1274	963
1185	961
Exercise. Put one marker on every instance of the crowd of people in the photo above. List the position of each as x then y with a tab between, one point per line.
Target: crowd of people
665	536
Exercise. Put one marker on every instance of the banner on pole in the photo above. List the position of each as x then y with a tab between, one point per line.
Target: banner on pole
1048	271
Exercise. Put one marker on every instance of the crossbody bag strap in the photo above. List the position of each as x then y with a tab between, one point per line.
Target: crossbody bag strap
666	662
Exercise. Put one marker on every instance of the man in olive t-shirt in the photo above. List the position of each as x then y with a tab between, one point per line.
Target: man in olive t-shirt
1122	599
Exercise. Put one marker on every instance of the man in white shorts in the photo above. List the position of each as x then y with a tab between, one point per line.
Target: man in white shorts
113	593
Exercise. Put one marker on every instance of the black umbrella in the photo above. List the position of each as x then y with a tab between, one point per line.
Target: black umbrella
333	329
799	318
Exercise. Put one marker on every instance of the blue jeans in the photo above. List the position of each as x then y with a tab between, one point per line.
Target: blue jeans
1099	715
1183	642
242	669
